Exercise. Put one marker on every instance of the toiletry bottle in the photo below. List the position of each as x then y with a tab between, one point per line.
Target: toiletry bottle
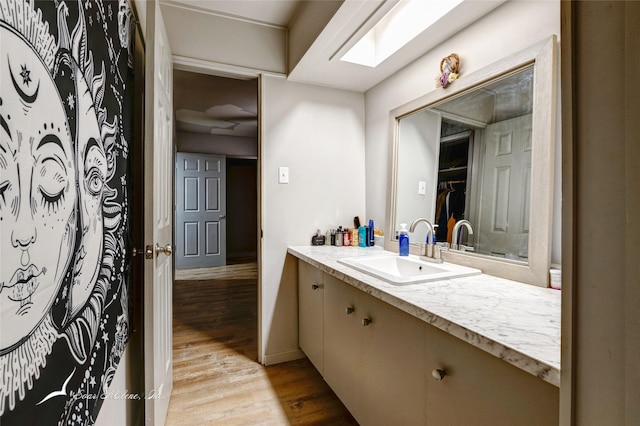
403	240
339	236
362	236
433	235
346	237
354	237
371	233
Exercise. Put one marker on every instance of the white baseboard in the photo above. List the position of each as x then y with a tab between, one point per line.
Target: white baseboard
271	359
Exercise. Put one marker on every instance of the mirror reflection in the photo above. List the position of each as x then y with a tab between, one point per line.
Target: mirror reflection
469	157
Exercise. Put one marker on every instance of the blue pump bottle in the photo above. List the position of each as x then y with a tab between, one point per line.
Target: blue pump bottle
403	240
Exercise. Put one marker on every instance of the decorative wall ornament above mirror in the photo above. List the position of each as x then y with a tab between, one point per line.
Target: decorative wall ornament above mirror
449	70
482	151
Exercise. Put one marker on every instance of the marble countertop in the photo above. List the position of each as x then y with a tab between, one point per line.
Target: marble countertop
516	322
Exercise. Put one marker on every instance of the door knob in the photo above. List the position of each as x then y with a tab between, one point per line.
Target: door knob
438	374
167	250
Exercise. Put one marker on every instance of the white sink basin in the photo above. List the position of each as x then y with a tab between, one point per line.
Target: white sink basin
402	270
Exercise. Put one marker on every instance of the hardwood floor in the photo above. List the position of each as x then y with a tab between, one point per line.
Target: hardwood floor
216	377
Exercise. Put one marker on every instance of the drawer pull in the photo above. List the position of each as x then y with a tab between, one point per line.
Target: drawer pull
315	286
438	374
349	310
366	321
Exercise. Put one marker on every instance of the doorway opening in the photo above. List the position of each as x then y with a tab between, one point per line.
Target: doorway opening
216	185
216	211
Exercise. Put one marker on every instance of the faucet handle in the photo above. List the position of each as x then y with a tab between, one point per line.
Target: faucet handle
437	251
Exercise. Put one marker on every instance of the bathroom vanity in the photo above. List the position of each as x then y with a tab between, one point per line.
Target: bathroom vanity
407	343
475	350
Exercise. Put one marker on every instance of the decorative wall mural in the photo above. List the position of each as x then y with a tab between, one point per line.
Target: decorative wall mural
66	105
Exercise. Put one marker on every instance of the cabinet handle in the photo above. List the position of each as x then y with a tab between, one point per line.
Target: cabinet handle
349	310
438	374
366	321
315	286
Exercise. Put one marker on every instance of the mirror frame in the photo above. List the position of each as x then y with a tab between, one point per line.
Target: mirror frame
544	58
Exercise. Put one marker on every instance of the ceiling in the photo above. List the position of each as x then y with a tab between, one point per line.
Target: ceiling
318	33
273	12
215	105
332	27
503	99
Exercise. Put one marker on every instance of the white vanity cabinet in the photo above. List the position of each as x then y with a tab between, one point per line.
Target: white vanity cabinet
379	361
310	313
373	357
480	389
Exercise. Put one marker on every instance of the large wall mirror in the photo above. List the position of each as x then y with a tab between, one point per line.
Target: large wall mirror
482	150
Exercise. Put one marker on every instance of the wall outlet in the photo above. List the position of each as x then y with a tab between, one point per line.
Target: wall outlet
422	188
283	175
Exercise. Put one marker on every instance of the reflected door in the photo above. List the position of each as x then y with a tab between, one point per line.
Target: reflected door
200	211
506	189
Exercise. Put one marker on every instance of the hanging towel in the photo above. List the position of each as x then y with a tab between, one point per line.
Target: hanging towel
450	224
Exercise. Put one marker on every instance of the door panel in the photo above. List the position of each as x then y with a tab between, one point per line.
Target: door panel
506	189
200	210
158	275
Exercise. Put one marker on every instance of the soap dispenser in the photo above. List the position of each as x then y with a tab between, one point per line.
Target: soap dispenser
403	240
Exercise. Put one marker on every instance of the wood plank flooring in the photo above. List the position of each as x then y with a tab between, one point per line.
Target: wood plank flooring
216	377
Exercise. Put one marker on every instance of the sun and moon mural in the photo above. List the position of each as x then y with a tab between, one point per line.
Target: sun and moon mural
66	121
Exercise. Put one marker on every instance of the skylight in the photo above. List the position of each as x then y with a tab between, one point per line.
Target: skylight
398	27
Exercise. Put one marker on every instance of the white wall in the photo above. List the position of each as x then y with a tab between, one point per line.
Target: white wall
246	46
419	152
509	28
120	406
318	133
600	377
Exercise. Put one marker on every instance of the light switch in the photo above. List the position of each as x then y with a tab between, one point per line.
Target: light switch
422	188
283	175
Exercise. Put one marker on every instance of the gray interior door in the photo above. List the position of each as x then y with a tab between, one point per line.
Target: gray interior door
200	211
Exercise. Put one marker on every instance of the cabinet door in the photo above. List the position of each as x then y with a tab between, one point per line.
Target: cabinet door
480	389
310	306
393	361
343	344
374	357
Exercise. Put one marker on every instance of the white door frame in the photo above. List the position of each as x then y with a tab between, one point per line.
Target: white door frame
186	64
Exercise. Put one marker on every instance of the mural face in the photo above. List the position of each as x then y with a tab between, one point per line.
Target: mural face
66	105
37	191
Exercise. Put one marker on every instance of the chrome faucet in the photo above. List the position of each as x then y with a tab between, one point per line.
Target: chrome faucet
456	232
426	248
